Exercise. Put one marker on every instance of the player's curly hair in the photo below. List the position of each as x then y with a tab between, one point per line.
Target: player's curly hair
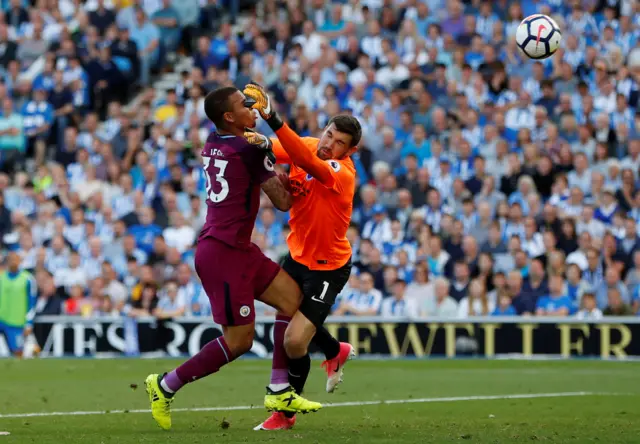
349	125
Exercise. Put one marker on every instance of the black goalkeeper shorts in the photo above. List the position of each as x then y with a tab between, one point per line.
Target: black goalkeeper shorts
319	288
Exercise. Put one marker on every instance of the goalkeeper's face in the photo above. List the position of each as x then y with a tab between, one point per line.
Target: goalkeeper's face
334	144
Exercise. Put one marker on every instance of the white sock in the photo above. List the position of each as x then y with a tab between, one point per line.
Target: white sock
165	387
277	387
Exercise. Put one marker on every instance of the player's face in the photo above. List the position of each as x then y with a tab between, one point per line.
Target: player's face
13	262
240	115
334	144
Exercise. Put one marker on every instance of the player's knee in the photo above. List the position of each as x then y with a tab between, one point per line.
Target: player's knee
294	345
239	344
289	308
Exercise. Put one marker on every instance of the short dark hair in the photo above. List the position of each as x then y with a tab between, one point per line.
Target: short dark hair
348	125
217	103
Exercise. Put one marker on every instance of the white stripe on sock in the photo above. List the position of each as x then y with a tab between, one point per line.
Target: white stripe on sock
277	387
223	350
165	387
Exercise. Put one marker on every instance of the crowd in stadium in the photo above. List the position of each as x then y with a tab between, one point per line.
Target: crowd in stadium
489	184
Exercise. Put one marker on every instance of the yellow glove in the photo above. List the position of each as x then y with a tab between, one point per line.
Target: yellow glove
263	105
261	142
257	93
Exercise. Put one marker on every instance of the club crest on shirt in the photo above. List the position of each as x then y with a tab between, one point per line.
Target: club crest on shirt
268	165
308	177
245	311
298	187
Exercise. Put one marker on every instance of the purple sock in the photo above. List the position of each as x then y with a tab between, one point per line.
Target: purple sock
172	381
209	360
280	363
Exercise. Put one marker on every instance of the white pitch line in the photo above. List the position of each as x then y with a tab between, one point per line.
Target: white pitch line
335	404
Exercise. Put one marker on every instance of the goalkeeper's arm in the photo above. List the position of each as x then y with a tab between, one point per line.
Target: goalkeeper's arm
291	142
303	157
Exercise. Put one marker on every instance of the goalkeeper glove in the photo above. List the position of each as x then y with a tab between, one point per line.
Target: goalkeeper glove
261	142
263	105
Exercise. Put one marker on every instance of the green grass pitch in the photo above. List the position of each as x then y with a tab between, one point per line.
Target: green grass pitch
601	403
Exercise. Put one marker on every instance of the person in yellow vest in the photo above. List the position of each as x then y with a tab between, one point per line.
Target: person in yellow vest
18	294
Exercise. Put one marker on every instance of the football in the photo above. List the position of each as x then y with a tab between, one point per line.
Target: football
538	36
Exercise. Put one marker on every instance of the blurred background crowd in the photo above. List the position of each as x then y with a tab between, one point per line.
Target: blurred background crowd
489	184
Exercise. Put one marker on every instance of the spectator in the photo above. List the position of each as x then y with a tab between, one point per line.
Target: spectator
504	306
147	39
523	303
179	235
366	302
8	47
12	137
102	18
612	282
615	304
576	286
536	284
349	291
146	304
107	81
33	46
421	287
375	267
73	306
167	19
73	275
480	230
477	302
556	303
38	117
115	290
589	309
48	302
145	232
170	305
441	305
125	54
632	280
397	305
459	287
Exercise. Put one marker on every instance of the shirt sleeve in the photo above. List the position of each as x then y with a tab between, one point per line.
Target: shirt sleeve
258	164
281	155
324	171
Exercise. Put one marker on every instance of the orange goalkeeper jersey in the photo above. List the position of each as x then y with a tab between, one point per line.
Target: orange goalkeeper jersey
322	205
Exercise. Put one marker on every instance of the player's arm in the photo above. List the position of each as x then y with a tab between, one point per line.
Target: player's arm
272	184
305	158
277	193
291	142
282	157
